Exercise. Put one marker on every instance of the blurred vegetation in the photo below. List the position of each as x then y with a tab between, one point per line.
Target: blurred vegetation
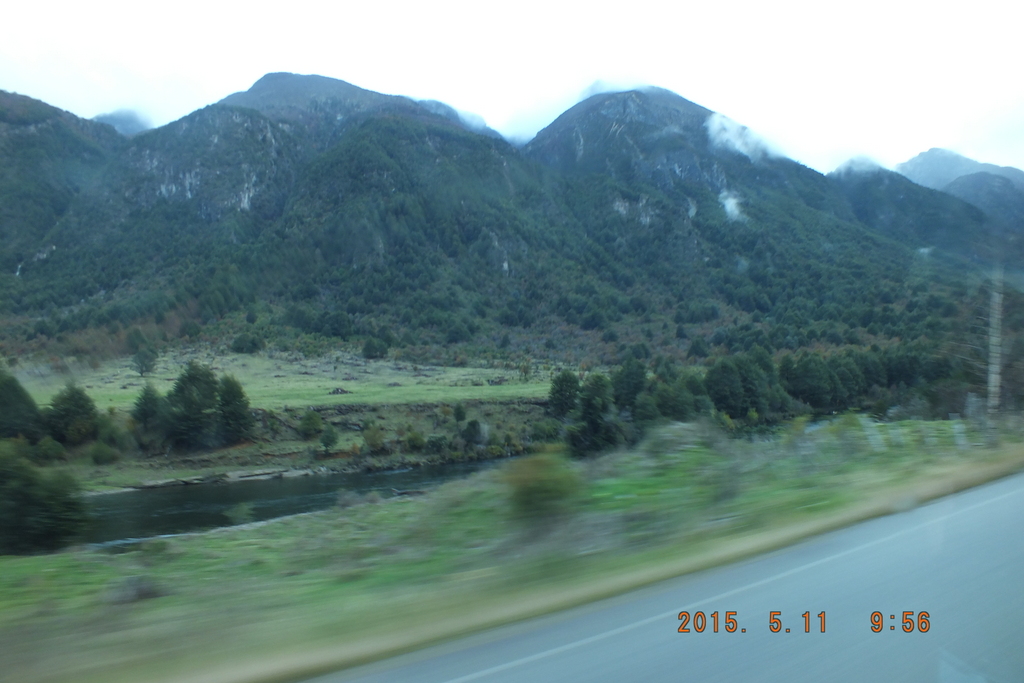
39	510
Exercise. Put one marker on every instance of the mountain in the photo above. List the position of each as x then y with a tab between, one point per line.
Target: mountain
635	223
48	159
996	195
323	108
937	168
916	215
998	191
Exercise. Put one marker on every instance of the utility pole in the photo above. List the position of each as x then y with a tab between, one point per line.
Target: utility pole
995	348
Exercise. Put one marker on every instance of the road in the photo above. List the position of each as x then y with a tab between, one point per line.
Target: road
961	559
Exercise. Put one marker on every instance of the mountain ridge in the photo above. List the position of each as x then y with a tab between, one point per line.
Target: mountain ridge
636	222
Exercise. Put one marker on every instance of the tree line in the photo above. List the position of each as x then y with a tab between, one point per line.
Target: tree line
42	509
744	390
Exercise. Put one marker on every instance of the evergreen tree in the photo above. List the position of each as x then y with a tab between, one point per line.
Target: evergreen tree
18	412
233	413
698	348
725	387
71	417
628	382
192	406
594	428
148	407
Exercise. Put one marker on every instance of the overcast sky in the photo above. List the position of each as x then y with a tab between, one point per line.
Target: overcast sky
821	81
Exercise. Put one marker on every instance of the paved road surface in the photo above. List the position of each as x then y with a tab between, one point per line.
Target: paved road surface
961	559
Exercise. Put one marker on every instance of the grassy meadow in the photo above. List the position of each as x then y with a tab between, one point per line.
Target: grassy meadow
275	380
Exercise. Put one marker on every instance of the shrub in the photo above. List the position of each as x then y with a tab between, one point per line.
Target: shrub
415	441
38	511
246	343
474	432
110	433
437	443
102	454
541	486
375	348
48	450
373	437
546	430
310	424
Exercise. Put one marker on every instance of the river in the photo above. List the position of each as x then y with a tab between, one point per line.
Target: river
179	509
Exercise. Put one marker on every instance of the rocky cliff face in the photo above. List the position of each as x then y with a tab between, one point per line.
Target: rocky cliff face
216	160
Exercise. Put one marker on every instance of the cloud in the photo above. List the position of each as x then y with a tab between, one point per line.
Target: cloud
731	203
127	122
858	164
724	132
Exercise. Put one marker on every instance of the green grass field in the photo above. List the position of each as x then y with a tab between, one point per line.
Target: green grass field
276	380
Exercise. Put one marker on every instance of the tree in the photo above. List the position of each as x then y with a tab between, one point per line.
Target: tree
725	387
71	417
808	379
460	413
192	406
565	388
698	348
18	412
329	438
674	401
594	428
310	424
144	361
628	382
375	348
233	412
148	407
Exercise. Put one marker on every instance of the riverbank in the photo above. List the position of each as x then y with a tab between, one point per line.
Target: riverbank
306	594
279	447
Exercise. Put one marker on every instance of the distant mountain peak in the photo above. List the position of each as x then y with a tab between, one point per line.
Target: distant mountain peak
938	167
324	105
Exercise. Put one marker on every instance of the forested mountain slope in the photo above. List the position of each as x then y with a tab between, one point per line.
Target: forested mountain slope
636	223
